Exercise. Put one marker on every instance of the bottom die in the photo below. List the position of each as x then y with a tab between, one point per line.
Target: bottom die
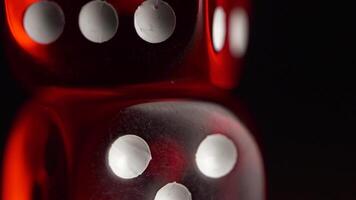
154	150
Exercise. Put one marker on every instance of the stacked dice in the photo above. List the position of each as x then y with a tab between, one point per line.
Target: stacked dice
131	100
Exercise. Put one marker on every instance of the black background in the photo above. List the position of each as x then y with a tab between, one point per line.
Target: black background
300	87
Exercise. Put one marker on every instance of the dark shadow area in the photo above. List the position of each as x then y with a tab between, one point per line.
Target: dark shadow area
12	96
301	88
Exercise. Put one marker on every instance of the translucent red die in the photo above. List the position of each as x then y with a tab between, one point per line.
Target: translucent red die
207	45
60	146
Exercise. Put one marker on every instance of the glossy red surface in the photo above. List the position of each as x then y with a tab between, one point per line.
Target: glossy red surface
126	59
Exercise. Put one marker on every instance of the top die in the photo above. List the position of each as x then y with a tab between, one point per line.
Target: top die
111	43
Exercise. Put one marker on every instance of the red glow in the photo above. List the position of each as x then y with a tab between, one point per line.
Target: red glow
16	186
224	69
14	14
24	157
171	163
221	71
125	6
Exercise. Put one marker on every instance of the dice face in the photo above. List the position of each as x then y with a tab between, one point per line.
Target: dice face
174	132
68	43
169	149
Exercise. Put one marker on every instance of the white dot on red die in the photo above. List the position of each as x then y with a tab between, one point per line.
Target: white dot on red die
173	191
129	156
44	22
238	32
219	28
216	156
98	21
155	21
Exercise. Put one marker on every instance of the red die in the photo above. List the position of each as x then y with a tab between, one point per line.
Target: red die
143	142
67	43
